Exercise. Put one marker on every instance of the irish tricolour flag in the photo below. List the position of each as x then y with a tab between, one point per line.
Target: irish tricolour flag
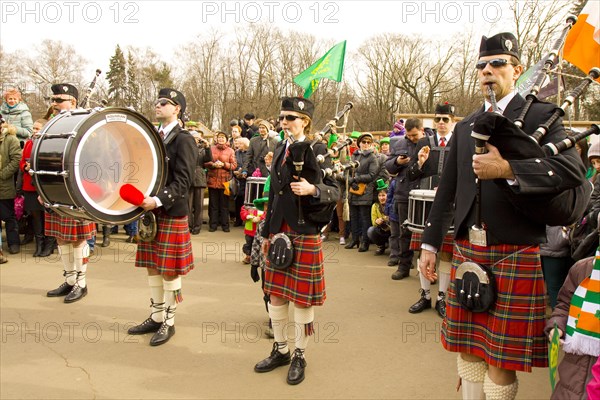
582	47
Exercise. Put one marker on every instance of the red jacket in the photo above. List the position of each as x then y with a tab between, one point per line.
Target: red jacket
27	186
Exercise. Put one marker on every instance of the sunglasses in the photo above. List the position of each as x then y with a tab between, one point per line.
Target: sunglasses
443	119
289	117
366	142
164	102
495	63
58	100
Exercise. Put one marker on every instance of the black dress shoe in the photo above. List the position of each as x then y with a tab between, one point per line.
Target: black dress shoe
440	305
211	229
162	335
148	326
225	229
276	359
14	248
196	230
296	371
63	290
77	293
364	246
422	304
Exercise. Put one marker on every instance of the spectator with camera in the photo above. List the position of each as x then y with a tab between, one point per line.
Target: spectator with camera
361	186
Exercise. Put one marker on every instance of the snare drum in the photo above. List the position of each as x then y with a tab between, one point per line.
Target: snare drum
83	157
419	205
254	190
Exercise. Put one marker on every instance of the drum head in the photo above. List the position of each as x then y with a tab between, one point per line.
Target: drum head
113	147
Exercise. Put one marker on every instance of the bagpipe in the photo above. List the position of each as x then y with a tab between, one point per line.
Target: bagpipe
306	164
515	144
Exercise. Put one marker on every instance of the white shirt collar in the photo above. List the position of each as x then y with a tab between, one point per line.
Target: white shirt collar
502	103
167	129
446	138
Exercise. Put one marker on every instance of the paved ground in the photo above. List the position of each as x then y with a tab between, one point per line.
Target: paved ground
366	345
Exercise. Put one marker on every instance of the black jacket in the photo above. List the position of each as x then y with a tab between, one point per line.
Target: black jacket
428	176
283	204
406	147
182	156
505	224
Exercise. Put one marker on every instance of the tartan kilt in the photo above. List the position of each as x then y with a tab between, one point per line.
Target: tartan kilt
510	335
447	244
303	282
68	229
170	253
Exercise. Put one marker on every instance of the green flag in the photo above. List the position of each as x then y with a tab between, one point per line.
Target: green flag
330	66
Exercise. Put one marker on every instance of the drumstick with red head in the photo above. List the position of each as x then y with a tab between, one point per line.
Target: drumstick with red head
131	194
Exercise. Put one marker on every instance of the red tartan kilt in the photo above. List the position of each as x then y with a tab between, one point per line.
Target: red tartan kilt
170	253
68	229
447	245
511	334
303	282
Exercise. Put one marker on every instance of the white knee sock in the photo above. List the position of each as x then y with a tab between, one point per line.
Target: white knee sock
172	297
443	282
65	252
472	375
279	319
425	285
303	317
80	257
494	391
157	297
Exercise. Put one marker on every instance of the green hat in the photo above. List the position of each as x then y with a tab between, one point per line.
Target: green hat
260	203
381	185
355	135
384	140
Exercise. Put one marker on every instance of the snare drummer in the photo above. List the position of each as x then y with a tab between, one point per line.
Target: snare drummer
169	255
302	283
432	152
71	235
509	336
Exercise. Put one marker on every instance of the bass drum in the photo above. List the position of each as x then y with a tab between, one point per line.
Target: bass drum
83	157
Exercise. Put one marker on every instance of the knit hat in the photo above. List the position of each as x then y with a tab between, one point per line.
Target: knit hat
400	126
583	325
594	151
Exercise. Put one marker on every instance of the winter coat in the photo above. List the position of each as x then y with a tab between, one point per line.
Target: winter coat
10	157
574	370
20	117
403	184
557	245
365	173
204	156
218	176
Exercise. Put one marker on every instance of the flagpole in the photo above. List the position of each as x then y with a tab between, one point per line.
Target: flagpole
339	95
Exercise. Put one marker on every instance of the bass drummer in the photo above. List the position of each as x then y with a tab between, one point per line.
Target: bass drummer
168	256
71	235
432	152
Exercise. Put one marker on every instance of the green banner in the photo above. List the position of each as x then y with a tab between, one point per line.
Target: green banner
330	66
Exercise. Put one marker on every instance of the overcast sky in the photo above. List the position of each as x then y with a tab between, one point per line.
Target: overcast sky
94	28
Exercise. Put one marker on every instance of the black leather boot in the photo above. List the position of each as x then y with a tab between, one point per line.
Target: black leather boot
353	243
49	246
364	246
105	236
39	246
